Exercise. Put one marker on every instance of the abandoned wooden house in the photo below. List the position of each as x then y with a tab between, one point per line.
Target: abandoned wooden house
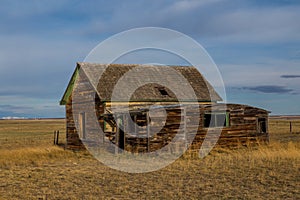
94	85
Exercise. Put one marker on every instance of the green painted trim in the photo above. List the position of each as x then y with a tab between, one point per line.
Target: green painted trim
227	119
104	125
214	114
70	87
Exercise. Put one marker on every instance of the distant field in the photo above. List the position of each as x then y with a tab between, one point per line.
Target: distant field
31	167
280	130
29	133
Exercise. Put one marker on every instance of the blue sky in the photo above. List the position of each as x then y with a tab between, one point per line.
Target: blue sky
255	44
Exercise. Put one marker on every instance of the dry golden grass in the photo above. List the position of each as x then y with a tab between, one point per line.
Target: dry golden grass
31	167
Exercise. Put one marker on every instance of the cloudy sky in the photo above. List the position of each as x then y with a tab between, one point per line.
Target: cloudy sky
255	44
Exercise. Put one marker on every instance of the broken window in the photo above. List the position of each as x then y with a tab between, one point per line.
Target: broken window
216	120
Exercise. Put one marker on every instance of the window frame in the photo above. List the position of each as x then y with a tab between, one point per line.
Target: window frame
262	125
213	115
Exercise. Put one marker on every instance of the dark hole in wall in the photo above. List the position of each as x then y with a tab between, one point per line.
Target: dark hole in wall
262	123
163	91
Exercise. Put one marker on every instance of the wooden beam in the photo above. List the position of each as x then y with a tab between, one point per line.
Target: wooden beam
148	131
185	127
117	136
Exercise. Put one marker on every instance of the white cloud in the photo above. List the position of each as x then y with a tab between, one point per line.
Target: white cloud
40	42
188	5
268	73
260	25
207	19
21	9
220	20
14	105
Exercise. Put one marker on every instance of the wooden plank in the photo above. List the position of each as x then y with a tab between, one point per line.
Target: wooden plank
148	131
117	136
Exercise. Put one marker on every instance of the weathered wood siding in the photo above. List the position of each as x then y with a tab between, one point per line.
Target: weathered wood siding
182	121
85	102
242	130
72	137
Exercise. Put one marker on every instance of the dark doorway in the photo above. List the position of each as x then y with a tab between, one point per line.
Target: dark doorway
121	139
262	125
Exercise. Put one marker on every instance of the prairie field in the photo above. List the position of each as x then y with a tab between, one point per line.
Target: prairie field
31	167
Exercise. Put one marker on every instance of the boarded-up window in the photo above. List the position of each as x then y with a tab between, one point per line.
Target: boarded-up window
216	120
81	121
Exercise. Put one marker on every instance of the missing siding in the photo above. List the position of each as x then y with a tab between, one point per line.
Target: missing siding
163	91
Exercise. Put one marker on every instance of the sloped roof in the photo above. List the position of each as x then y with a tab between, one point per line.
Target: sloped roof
150	82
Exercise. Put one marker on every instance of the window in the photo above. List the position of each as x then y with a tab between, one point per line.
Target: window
216	120
108	125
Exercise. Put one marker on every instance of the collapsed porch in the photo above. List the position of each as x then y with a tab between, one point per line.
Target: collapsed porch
177	127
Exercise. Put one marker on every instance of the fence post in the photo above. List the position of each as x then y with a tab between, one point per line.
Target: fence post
57	136
291	127
54	138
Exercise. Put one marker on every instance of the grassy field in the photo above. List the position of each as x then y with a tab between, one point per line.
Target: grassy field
31	167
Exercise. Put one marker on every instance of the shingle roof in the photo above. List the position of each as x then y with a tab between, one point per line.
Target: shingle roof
105	77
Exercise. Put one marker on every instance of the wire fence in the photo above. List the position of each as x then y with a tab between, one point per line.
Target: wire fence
284	126
30	133
31	141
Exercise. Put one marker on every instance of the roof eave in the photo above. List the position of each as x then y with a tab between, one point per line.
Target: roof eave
162	100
